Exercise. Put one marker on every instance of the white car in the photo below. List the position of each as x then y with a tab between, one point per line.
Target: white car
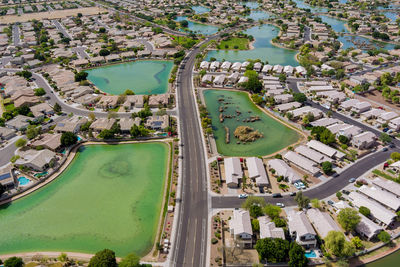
280	205
241	196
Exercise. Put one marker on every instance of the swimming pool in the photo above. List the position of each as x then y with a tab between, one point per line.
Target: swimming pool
23	181
310	254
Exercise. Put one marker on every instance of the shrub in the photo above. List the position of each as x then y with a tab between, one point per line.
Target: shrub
214	241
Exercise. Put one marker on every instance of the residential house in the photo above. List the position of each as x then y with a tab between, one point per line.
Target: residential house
322	222
325	149
301	230
268	229
38	160
19	123
102	124
233	172
157	122
387	185
282	169
312	154
385	198
72	124
257	171
364	140
301	162
368	228
240	228
7	133
49	141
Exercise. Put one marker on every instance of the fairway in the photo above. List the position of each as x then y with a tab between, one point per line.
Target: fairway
109	197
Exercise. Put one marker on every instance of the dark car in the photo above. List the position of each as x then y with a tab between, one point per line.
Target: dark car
345	192
330	202
276	195
292	194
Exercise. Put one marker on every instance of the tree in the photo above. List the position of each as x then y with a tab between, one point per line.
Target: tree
272	211
255	225
343	139
184	23
272	250
104	52
57	108
323	135
104	258
26	74
339	194
395	156
253	84
385	138
256	211
336	243
128	92
251	201
302	201
299	97
39	91
348	219
327	167
282	77
68	139
316	203
297	257
384	237
32	132
357	242
14	262
131	260
20	142
364	211
81	76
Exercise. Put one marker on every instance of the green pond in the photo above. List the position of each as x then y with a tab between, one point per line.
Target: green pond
276	135
110	196
391	260
144	77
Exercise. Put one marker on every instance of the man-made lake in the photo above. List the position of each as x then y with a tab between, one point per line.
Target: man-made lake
250	4
109	197
314	9
200	9
389	261
240	107
142	77
198	27
347	41
257	15
263	49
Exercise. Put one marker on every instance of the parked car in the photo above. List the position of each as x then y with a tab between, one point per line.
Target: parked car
292	194
302	186
275	195
280	205
345	192
352	180
296	184
385	129
242	196
384	149
330	202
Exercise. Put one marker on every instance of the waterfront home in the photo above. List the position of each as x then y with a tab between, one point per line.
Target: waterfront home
233	171
219	80
206	80
257	171
378	212
236	66
385	198
232	79
42	110
367	228
204	65
49	141
266	69
274	92
322	222
257	66
277	69
157	122
214	65
240	228
19	123
312	154
242	80
301	230
244	66
108	102
226	65
72	124
325	149
288	70
364	140
387	186
7	133
301	162
361	107
386	117
280	168
136	101
335	128
6	178
301	70
268	229
324	122
159	100
288	106
284	98
102	124
127	123
394	124
37	160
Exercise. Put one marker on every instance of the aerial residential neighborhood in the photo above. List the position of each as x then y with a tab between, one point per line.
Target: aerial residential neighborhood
199	133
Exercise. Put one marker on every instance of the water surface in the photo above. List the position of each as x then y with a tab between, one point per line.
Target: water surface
276	135
198	28
109	197
142	77
200	9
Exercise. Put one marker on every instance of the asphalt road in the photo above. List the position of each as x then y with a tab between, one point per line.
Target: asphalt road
7	152
16	35
191	238
330	187
61	29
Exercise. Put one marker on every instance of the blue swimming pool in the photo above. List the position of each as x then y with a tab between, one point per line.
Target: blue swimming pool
310	254
79	138
23	181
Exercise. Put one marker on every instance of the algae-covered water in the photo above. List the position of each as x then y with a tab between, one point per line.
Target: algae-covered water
142	77
109	197
276	135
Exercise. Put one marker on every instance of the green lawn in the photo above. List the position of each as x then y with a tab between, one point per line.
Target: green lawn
384	175
234	43
9	107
